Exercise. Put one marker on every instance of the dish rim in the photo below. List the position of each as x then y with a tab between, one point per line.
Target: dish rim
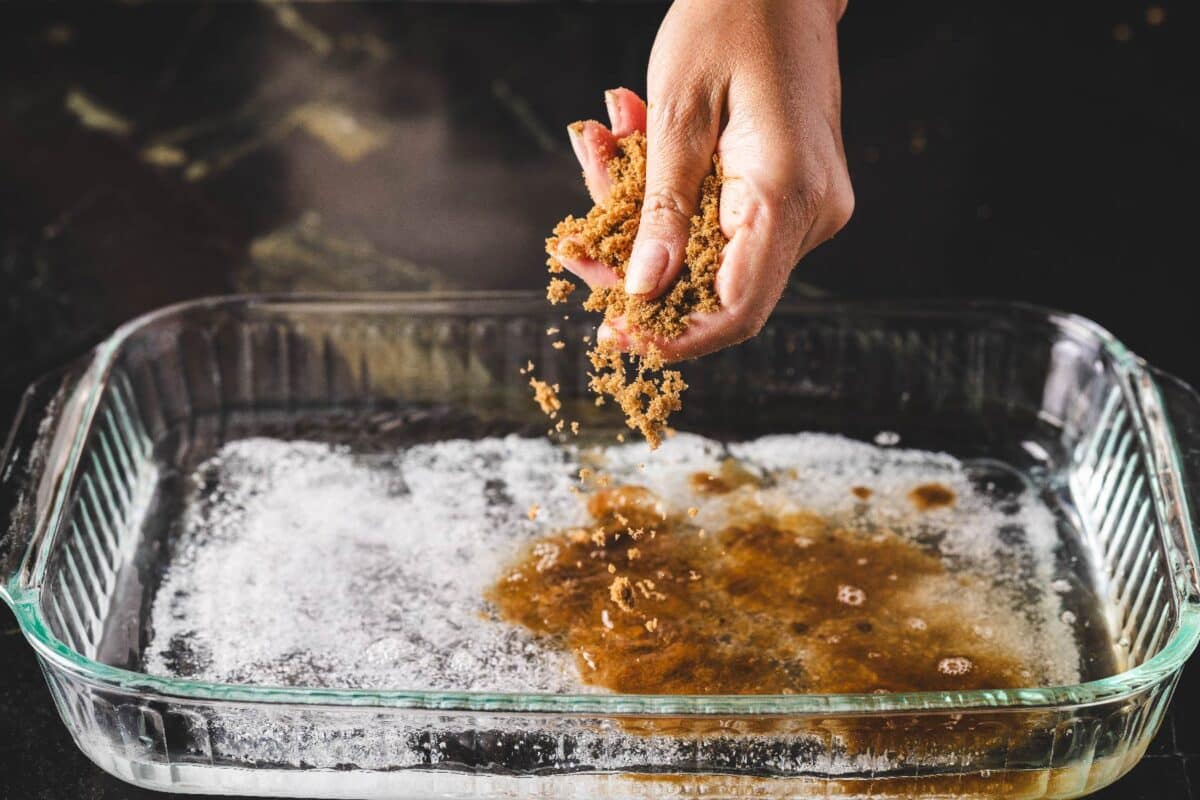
23	590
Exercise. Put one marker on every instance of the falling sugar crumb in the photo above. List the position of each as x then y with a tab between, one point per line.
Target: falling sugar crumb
887	438
546	396
559	290
533	510
558	345
652	624
693	511
551	331
575	428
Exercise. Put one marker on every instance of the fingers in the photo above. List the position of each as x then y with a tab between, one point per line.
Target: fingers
594	145
626	112
681	136
748	287
596	274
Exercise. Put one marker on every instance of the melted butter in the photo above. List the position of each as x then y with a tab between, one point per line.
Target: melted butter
650	603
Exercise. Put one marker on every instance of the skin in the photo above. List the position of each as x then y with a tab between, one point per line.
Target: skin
755	81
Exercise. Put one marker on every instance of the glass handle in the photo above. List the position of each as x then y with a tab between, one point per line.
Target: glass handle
22	466
1182	406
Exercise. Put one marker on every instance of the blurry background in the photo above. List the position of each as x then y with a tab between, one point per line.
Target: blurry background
152	152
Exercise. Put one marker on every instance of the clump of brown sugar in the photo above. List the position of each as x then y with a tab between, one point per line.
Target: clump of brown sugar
646	392
546	396
620	591
559	290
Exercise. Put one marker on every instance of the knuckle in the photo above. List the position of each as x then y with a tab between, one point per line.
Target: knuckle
679	115
840	204
802	204
747	326
665	207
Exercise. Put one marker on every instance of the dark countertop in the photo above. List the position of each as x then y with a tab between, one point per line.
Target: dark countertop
155	152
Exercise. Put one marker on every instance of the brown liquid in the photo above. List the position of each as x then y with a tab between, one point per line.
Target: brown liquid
929	496
730	477
650	603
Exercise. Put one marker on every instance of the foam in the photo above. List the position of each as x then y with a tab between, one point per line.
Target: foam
306	564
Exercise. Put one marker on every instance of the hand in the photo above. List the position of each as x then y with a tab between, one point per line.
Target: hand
755	81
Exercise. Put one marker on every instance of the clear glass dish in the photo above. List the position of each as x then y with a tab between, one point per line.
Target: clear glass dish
85	501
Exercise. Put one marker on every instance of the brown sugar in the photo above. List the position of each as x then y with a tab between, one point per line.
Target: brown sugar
648	398
645	391
621	592
546	396
768	605
559	290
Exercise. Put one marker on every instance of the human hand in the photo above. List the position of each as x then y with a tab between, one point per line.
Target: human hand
756	82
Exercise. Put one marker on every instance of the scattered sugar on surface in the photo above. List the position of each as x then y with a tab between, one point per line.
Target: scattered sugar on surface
955	665
306	564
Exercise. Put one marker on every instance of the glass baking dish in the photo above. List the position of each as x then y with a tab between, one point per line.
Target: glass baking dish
86	504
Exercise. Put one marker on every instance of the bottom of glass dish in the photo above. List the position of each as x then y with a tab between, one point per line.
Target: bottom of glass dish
1061	783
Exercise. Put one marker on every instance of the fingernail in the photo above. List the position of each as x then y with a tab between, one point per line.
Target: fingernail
646	266
614	108
605	335
575	134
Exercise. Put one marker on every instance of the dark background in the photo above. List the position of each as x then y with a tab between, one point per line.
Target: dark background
160	151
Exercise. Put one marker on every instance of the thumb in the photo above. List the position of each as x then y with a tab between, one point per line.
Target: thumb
681	135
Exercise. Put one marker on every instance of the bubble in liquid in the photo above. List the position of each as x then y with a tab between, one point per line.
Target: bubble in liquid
851	595
916	624
1068	617
1062	586
955	665
887	438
